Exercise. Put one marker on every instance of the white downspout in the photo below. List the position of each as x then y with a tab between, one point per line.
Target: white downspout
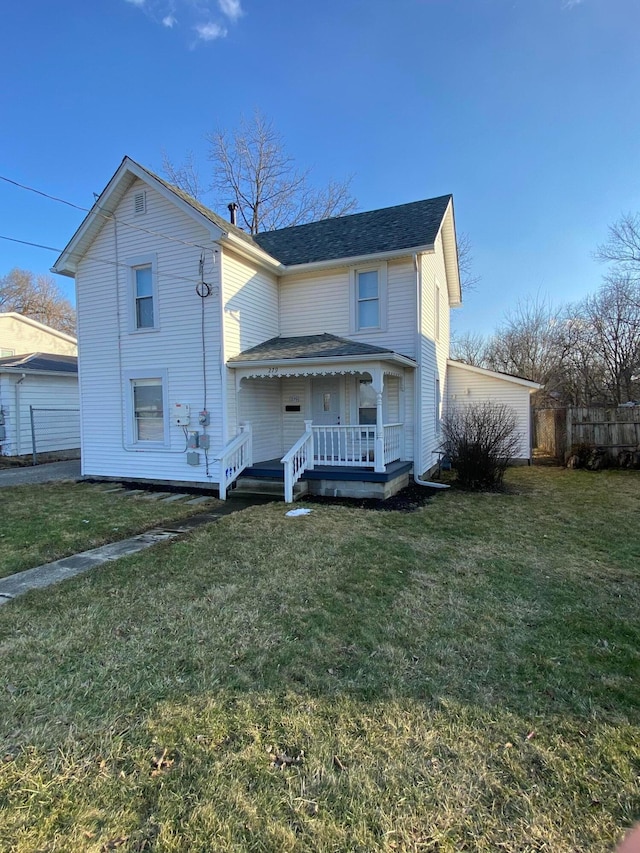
18	403
417	440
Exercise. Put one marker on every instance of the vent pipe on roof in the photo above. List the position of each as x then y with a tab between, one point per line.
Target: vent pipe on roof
232	207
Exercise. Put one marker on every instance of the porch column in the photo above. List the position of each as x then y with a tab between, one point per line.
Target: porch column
377	383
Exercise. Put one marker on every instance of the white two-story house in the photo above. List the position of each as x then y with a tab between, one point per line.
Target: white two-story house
316	353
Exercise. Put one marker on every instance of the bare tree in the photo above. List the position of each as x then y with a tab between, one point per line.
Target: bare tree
251	167
471	348
468	280
38	297
185	176
611	323
531	343
623	246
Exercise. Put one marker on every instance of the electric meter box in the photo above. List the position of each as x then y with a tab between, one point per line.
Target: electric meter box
181	413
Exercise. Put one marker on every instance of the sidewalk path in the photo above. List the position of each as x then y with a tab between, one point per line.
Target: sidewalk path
68	567
69	470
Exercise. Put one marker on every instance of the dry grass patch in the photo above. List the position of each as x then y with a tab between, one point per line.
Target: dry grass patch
459	678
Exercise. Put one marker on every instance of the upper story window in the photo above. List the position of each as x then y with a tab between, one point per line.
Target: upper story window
368	299
436	310
144	297
5	353
368	288
143	294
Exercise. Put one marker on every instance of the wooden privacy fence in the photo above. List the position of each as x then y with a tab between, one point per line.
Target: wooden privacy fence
610	429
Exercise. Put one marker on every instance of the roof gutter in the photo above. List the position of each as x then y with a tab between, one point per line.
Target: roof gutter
311	360
371	257
26	371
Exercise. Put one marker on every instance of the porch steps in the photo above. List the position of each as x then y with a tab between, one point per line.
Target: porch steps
267	487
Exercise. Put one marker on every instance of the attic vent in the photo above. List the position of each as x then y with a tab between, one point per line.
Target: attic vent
140	203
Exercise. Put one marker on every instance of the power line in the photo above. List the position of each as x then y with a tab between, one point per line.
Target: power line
106	216
98	260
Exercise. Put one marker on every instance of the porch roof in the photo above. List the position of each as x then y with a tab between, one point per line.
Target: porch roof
315	347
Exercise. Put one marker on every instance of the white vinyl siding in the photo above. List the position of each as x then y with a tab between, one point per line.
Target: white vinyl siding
434	352
260	404
465	386
324	302
20	336
110	355
55	431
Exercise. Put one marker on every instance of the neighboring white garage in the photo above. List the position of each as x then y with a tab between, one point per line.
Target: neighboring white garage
39	400
467	384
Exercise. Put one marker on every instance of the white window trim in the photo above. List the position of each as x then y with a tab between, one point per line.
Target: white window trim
437	310
131	443
134	264
437	401
381	269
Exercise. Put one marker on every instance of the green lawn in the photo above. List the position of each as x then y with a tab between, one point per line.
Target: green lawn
47	521
462	678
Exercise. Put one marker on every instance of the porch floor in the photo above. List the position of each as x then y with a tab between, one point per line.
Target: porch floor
273	469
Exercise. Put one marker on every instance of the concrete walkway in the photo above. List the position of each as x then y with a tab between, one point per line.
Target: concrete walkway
69	470
50	573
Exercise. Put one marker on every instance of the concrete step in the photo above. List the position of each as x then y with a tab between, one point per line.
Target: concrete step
246	486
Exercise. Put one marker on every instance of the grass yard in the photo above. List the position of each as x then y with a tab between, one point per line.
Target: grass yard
44	522
462	678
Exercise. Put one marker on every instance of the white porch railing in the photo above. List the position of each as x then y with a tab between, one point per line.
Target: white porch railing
298	460
355	445
393	441
235	457
352	445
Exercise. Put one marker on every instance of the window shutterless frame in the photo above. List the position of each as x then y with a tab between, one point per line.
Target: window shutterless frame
143	294
368	290
146	409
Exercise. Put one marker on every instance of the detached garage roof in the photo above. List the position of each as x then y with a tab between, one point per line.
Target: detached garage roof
40	362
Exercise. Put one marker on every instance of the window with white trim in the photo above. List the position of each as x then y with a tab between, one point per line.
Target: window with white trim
437	403
5	353
146	409
436	310
367	402
368	295
143	294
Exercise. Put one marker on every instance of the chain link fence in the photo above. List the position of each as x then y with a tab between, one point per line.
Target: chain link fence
54	430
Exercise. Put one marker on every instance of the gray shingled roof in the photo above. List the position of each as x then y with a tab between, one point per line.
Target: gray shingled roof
41	361
389	229
307	346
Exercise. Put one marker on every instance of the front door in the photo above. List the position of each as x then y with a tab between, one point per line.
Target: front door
325	412
325	400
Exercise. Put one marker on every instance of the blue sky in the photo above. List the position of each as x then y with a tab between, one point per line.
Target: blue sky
526	110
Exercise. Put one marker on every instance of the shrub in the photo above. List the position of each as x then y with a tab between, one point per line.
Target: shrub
480	438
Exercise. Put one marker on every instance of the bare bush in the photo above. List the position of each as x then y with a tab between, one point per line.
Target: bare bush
480	439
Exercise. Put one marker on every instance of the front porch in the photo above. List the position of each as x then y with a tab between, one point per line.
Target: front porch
338	481
326	409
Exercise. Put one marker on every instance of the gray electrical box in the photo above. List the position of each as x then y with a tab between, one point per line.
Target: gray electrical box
193	458
3	433
193	440
204	441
